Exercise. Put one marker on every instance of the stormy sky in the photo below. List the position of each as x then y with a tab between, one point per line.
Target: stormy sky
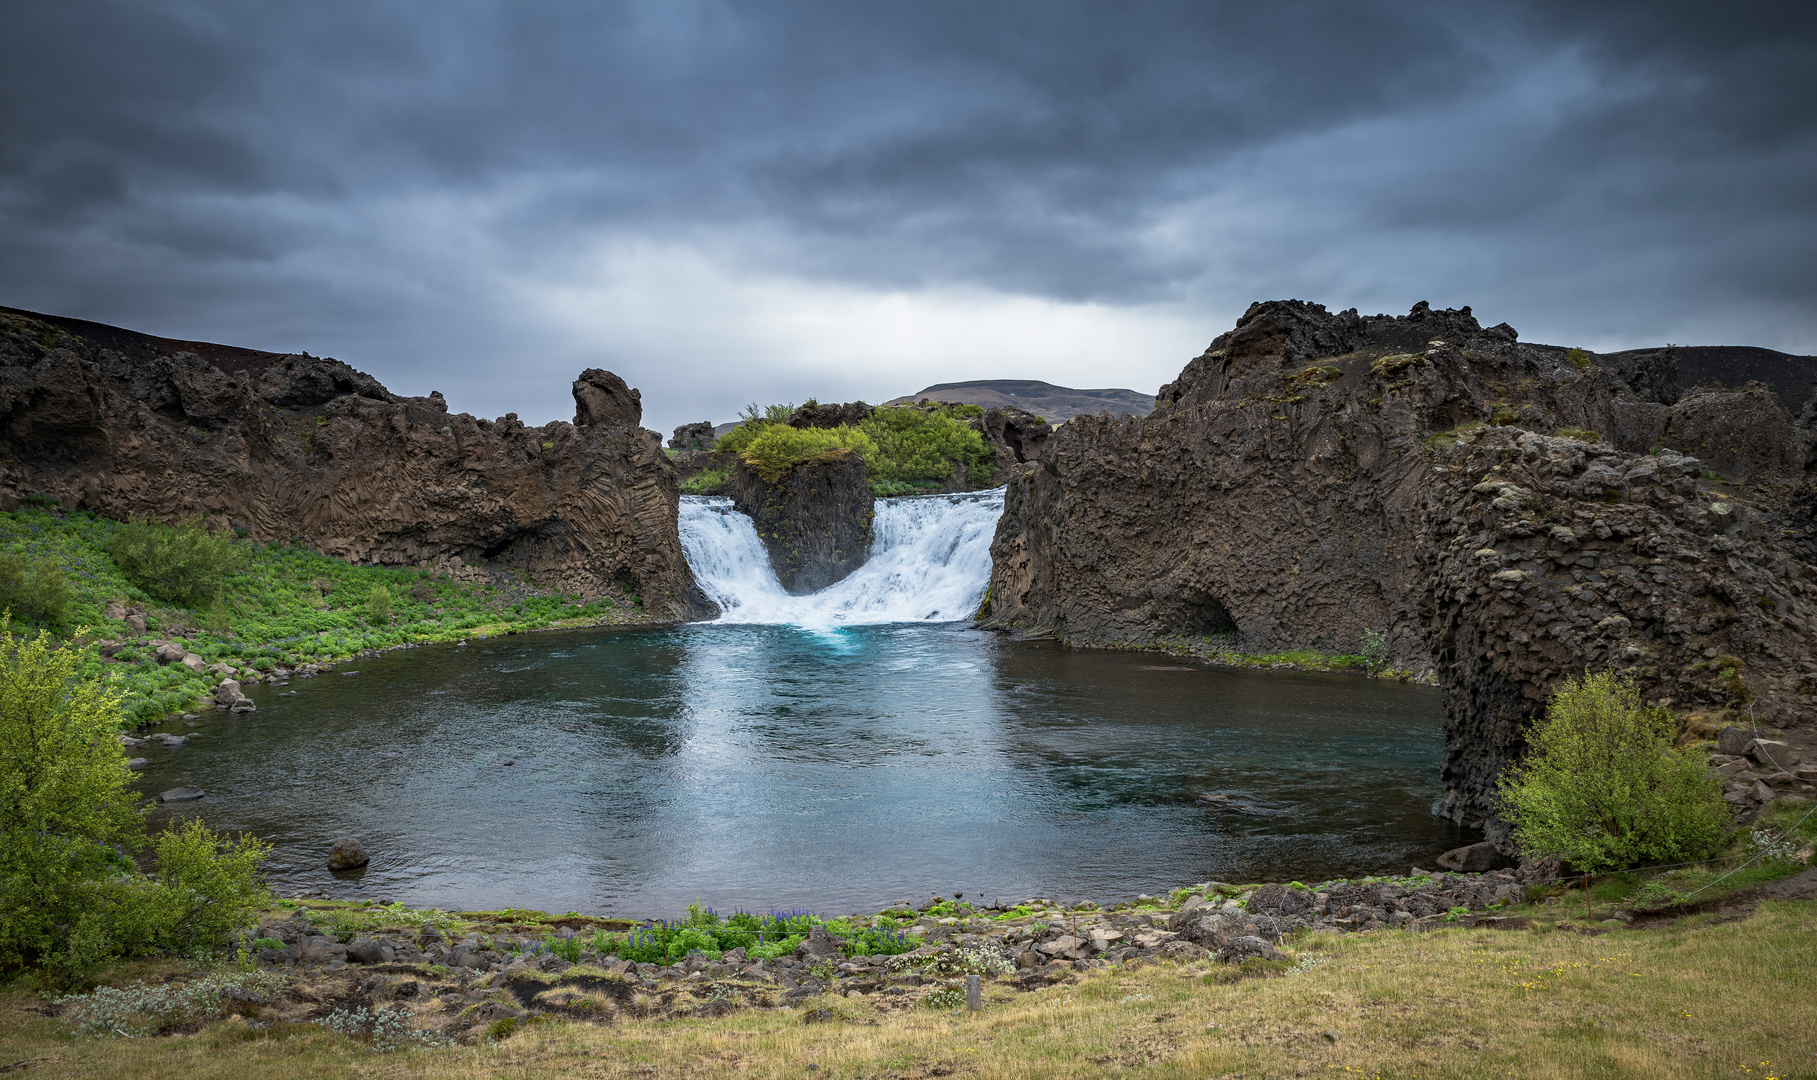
737	201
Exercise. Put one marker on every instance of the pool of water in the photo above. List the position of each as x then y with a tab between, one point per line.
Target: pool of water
631	772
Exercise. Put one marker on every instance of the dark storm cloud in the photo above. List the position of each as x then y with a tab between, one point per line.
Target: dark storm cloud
393	180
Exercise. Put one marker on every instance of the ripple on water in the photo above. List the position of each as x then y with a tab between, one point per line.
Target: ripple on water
836	768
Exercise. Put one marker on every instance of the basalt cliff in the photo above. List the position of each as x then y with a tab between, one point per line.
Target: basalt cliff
298	447
1509	514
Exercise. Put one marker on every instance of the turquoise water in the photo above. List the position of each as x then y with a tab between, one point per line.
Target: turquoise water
631	772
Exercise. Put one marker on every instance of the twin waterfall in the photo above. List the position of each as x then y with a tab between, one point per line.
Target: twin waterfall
930	562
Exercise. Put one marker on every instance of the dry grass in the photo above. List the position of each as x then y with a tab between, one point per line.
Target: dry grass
1703	999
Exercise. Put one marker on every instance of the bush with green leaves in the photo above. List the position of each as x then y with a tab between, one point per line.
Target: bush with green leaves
753	421
1603	787
705	482
378	606
778	449
183	563
33	590
926	446
70	897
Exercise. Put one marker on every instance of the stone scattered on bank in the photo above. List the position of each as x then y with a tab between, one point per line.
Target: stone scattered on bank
464	986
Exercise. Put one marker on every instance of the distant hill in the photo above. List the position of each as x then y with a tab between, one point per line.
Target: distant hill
1791	376
1044	399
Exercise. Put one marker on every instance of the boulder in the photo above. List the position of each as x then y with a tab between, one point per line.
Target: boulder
693	436
180	794
1239	949
171	653
366	951
1474	859
1772	752
194	663
1281	901
227	692
601	399
1733	741
819	945
1214	928
136	623
347	853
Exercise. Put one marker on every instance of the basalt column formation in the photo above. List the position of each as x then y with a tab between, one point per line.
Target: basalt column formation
1509	514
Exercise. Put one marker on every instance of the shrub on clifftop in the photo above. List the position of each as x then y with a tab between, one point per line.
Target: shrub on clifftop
1603	787
779	448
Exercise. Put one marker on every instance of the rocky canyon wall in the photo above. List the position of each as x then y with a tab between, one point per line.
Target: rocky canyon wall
1491	505
298	447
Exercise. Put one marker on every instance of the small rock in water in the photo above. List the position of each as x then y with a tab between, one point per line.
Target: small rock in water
135	763
347	854
180	794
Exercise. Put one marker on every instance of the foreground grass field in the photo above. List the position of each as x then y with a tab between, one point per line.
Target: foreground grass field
1699	998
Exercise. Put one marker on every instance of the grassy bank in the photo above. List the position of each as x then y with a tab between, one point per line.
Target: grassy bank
1701	998
281	607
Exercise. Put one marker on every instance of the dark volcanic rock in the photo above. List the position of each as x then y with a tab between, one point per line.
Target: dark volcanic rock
1314	475
1474	859
298	446
1015	437
693	436
815	522
815	415
347	853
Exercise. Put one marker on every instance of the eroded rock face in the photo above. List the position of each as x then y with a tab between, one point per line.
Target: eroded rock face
815	522
303	447
1314	475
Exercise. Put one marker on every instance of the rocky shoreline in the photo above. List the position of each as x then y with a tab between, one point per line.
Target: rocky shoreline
464	974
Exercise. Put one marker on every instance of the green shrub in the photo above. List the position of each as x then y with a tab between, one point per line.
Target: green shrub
65	807
752	423
1603	787
778	448
705	482
70	898
183	563
378	605
33	589
918	445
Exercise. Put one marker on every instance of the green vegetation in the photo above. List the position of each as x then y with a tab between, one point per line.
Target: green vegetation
184	564
752	422
1603	787
33	590
931	447
704	933
705	482
906	449
1580	434
778	448
268	604
1579	358
71	900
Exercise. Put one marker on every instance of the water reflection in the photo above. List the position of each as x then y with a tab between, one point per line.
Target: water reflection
765	765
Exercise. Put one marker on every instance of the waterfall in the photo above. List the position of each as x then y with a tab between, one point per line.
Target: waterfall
930	562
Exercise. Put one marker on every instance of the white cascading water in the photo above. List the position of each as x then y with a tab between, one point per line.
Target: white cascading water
930	562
